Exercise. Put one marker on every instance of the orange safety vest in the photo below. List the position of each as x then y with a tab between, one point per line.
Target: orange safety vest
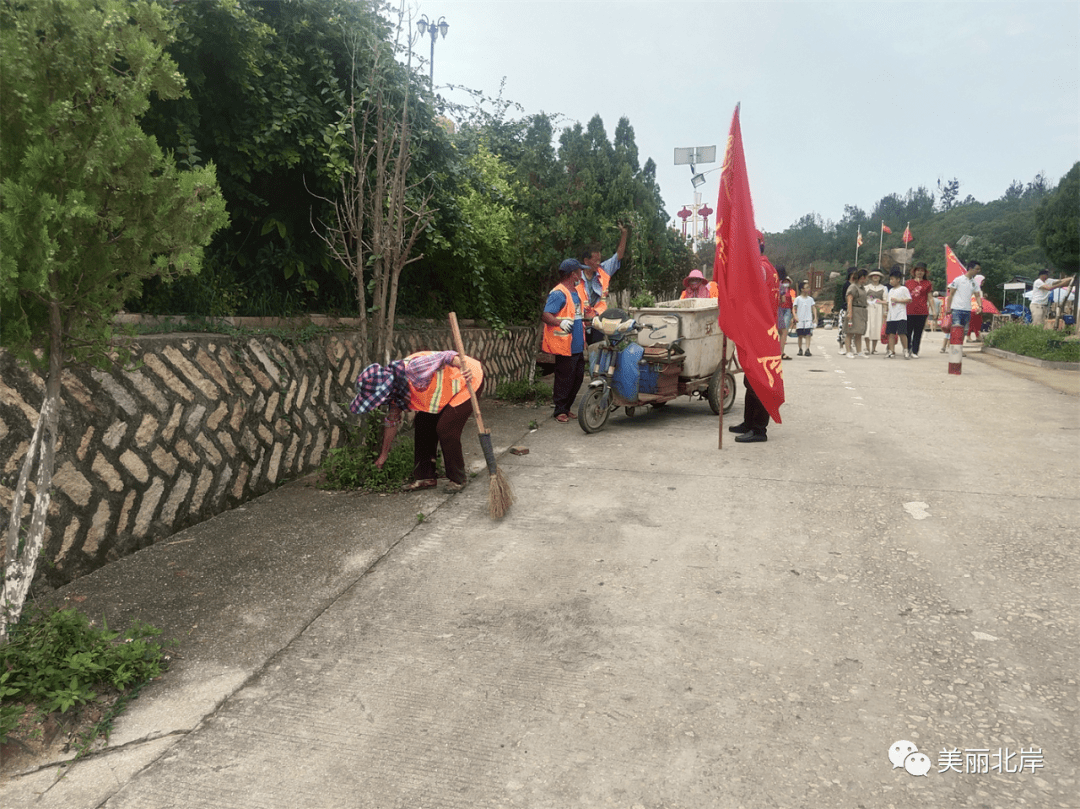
605	281
714	291
557	341
447	386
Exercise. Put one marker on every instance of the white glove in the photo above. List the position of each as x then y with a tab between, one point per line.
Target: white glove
566	324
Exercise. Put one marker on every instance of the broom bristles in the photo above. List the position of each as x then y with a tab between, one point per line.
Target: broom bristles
500	496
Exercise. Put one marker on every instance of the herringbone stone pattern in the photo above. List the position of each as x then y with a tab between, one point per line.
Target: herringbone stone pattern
198	424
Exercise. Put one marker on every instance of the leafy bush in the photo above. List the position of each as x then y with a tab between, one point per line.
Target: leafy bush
522	391
1033	341
55	661
353	466
643	300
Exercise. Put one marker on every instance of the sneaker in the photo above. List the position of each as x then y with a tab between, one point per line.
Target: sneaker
808	354
907	354
914	356
889	355
800	352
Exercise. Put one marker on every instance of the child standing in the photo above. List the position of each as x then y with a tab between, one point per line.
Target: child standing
896	324
806	315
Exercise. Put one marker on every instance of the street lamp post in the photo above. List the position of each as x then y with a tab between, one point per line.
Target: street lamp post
434	29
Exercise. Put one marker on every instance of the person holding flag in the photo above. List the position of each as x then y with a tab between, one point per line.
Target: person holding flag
962	298
747	294
755	424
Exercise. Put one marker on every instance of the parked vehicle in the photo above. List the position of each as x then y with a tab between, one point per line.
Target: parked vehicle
653	355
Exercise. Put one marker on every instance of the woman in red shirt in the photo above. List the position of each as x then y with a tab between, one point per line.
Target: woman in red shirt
918	309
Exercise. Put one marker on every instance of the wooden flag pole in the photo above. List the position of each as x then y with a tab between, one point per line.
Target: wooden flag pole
723	381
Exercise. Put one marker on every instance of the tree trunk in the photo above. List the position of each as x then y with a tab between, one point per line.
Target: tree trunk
19	566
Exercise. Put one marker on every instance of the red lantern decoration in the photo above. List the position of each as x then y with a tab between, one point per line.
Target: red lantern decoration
704	212
684	214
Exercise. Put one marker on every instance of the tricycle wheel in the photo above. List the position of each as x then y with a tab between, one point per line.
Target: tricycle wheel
716	399
630	411
593	411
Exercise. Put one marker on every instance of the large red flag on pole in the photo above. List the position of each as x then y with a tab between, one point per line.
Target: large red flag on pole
953	267
747	296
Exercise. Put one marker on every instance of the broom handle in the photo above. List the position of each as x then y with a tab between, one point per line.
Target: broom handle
460	347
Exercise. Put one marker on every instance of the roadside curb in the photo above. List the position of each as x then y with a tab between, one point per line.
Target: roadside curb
1008	355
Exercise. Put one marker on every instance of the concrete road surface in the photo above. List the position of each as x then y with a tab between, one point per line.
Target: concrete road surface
876	608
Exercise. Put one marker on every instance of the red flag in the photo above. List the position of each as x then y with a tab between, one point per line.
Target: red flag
886	228
907	235
746	281
953	267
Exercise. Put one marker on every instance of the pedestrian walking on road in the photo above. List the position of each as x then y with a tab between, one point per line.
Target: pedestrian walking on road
919	308
875	310
806	316
963	297
783	310
856	314
432	384
896	319
564	338
840	305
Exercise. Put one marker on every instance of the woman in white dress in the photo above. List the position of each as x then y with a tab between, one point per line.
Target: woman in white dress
875	302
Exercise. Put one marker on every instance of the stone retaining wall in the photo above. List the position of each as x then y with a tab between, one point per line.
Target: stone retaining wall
200	424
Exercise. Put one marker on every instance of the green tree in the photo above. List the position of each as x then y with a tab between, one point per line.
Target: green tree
90	208
268	83
383	207
1058	222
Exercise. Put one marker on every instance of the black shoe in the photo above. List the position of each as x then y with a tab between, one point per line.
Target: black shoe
739	428
751	437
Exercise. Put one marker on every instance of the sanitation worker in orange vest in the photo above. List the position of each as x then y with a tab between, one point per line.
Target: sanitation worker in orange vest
564	337
431	383
696	285
596	278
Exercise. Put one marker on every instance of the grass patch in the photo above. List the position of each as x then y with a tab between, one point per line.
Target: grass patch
521	391
1032	341
353	465
56	662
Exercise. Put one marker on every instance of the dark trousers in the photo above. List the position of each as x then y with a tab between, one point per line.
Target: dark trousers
755	416
915	326
569	374
440	430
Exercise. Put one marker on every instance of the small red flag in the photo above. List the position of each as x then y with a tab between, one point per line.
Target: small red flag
886	228
953	267
747	284
907	235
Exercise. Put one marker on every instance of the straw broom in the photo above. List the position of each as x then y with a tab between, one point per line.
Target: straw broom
500	495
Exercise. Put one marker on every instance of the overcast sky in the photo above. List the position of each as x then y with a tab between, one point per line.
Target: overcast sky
842	103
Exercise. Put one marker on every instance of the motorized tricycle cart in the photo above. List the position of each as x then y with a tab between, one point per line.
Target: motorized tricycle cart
651	355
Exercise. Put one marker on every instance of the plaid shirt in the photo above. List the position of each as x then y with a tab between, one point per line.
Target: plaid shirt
379	384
